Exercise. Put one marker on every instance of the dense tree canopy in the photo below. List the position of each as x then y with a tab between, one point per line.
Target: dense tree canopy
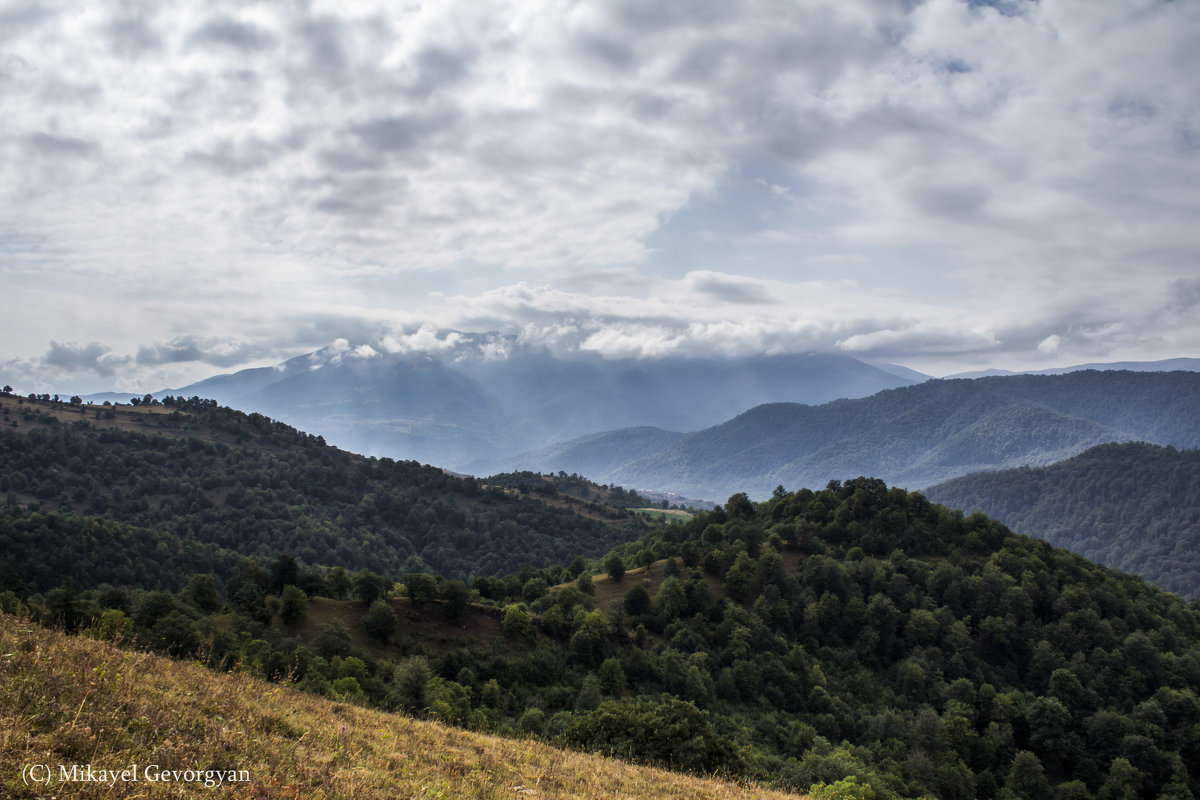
1131	506
273	490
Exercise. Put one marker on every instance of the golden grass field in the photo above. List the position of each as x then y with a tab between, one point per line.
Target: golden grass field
72	700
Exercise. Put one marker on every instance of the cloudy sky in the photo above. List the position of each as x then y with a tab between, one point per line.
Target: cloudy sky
192	188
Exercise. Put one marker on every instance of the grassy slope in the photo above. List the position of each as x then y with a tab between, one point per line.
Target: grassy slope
72	700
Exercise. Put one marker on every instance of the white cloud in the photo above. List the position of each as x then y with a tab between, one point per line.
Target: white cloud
225	185
1050	344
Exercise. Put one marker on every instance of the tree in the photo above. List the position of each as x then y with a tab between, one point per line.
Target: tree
1026	777
670	601
369	587
738	506
293	605
380	621
455	596
590	636
332	639
1123	783
284	571
65	605
517	622
589	696
637	601
421	586
410	684
739	578
153	607
615	567
176	634
201	593
338	583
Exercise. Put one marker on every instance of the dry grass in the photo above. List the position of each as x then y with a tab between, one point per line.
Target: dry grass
72	700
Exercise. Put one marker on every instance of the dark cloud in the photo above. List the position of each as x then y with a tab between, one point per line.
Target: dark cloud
439	68
347	160
91	357
959	201
325	59
403	131
216	352
1184	294
234	158
131	37
229	32
609	51
635	15
19	19
12	66
730	288
59	92
45	144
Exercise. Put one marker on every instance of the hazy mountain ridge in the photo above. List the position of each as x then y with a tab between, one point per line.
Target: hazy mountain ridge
912	436
1133	506
1163	365
483	397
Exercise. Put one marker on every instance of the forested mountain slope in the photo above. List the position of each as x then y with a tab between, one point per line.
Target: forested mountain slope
1133	506
192	482
912	436
857	636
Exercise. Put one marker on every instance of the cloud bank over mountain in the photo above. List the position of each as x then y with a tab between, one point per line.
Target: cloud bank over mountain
954	184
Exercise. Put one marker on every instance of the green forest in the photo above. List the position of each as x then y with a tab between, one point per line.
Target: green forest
213	483
854	642
1132	506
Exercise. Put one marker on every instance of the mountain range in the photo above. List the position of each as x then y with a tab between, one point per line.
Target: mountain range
913	436
480	398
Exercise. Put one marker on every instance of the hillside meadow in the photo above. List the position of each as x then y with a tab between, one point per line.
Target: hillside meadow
72	700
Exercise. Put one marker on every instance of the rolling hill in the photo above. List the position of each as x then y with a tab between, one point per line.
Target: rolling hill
912	436
1133	506
99	492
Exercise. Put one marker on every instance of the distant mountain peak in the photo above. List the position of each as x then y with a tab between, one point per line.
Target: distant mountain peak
470	401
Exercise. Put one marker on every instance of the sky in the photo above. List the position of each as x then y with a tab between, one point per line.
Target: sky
194	188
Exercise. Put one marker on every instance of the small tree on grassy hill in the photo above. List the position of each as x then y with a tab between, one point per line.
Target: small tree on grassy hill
615	567
294	604
380	621
421	586
337	582
584	584
369	587
455	596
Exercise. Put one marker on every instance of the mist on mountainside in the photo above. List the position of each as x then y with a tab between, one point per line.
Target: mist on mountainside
474	403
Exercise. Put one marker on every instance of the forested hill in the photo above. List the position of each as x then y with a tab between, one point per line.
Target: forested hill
852	642
861	630
1133	506
913	436
152	493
